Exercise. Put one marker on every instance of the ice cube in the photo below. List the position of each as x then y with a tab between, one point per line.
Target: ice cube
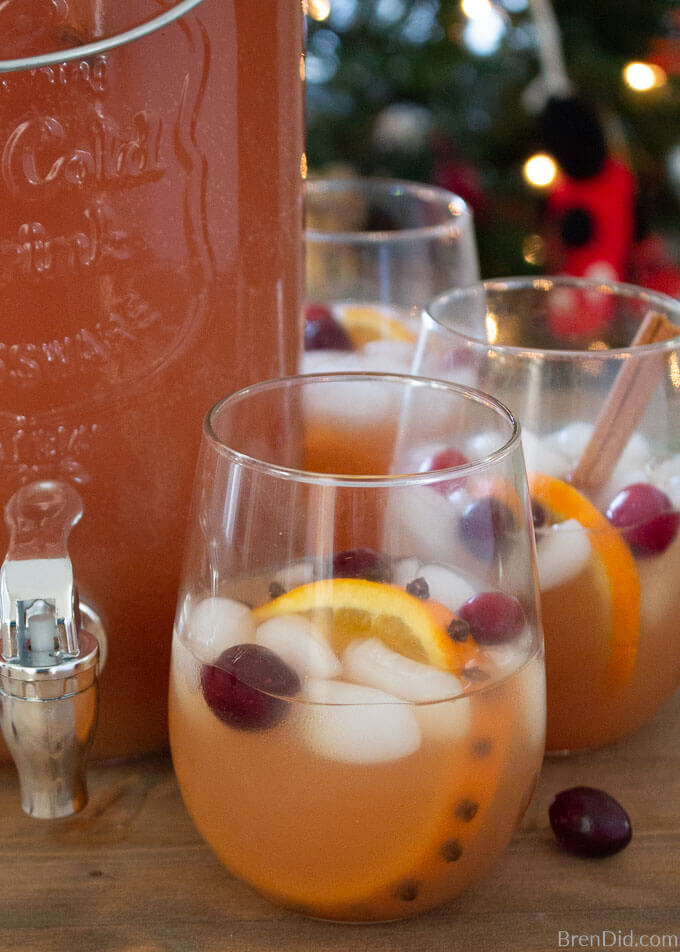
636	451
621	477
359	402
388	356
330	361
665	469
298	642
541	457
355	724
185	666
504	659
372	663
420	520
295	574
630	468
405	571
482	445
562	552
447	586
571	440
217	623
665	475
672	490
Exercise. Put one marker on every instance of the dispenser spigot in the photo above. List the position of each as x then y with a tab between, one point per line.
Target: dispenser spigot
48	665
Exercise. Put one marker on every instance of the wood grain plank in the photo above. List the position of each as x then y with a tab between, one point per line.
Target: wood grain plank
131	874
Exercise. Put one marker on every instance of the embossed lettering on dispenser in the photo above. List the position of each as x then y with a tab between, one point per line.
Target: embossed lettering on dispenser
148	266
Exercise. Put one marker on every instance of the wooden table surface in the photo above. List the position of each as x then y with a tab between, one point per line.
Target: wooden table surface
130	874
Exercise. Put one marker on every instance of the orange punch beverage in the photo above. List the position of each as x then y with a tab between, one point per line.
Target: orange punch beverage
356	721
149	262
379	769
593	372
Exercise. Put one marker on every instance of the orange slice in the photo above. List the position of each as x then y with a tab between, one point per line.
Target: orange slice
349	608
364	324
612	575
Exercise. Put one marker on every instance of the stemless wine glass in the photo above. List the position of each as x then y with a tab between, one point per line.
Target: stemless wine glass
600	414
376	251
357	691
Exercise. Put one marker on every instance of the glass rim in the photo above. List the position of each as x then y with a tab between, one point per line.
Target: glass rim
545	283
383	480
98	47
459	210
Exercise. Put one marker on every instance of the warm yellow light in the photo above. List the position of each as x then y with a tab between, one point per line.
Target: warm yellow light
319	9
533	250
304	169
491	328
475	9
540	170
674	367
643	76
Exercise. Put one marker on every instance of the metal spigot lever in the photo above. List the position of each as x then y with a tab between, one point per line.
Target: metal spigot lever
48	667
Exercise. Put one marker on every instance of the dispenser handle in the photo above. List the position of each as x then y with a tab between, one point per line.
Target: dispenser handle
37	570
40	517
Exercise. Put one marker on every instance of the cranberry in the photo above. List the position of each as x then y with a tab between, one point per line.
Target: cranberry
445	459
323	332
317	312
239	687
493	617
459	357
539	515
361	563
589	822
485	525
645	516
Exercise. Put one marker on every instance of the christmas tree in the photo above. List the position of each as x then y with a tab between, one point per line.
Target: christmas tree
450	92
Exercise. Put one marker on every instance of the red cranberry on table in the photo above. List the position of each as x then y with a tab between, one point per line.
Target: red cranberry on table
239	687
645	516
493	617
323	332
589	822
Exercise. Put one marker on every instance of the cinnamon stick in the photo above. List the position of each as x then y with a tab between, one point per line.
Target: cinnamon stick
623	408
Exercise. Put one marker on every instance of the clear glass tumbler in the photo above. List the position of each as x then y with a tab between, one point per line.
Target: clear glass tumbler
593	372
357	690
376	251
